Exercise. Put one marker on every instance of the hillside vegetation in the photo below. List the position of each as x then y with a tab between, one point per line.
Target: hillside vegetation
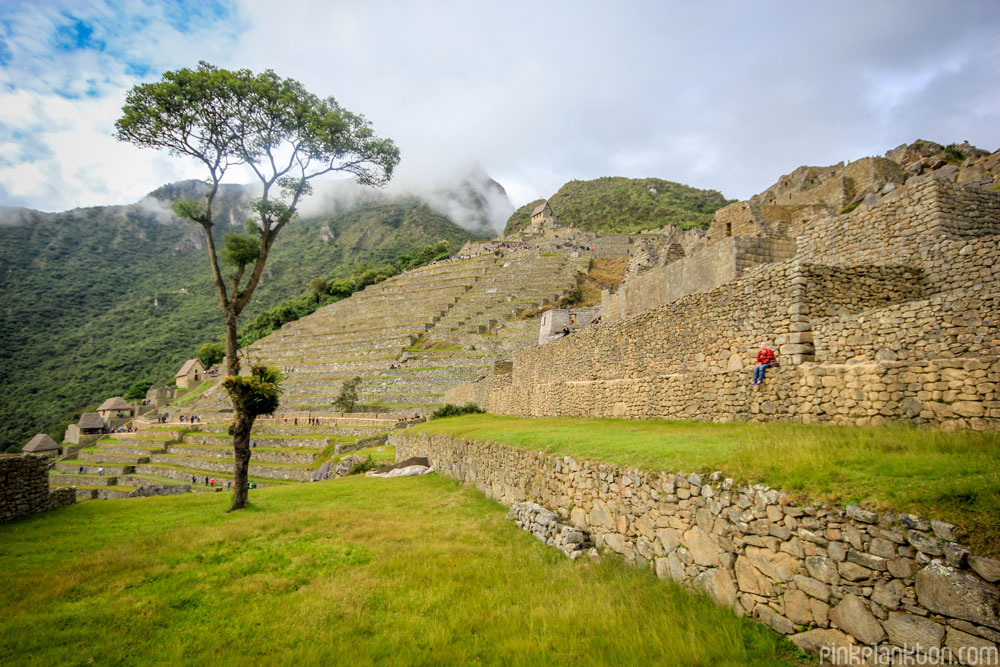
617	204
93	300
410	571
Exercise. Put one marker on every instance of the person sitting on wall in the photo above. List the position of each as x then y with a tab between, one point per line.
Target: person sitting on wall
765	359
565	330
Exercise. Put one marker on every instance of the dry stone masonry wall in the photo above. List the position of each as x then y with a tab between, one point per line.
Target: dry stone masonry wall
24	487
830	577
889	312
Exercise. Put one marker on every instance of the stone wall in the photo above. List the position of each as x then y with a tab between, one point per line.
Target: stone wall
950	393
24	487
716	264
828	576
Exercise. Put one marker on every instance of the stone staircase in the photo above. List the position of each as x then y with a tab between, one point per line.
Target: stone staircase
158	460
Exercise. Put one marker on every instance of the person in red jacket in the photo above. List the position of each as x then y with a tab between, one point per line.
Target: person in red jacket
765	359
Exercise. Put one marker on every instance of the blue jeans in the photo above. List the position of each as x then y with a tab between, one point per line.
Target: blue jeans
758	372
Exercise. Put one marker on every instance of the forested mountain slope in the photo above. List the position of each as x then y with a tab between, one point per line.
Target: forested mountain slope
94	299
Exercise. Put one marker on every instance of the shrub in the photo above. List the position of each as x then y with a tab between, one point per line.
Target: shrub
211	354
348	397
452	410
137	391
362	466
952	153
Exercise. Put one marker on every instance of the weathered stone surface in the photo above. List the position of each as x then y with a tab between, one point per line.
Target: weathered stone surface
816	589
867	560
750	580
600	516
578	517
888	594
719	586
823	569
924	543
860	514
777	622
669	538
854	572
914	633
703	548
852	616
945	590
987	568
964	644
779	566
813	641
797	608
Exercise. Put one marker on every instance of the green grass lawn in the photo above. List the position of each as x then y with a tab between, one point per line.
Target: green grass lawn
954	476
403	571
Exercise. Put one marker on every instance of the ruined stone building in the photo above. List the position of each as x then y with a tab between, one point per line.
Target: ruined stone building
878	283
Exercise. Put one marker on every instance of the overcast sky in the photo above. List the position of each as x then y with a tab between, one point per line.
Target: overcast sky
723	95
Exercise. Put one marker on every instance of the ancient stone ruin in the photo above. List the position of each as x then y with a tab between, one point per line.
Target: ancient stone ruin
877	282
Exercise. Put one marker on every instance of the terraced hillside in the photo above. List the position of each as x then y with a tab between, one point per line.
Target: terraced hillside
409	339
444	325
160	460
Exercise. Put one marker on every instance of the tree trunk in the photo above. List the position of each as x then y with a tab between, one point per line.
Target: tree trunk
232	349
240	430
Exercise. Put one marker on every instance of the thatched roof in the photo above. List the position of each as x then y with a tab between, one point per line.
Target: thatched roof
188	365
114	403
540	208
40	443
90	420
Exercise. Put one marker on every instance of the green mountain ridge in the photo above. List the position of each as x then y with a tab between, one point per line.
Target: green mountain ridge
623	205
94	299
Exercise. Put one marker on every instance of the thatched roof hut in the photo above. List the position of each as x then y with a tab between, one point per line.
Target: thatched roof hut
90	421
114	403
41	443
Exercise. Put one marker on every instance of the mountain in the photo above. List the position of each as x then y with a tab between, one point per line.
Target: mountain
94	299
616	204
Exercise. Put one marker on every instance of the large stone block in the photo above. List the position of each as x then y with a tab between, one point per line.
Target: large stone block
853	616
951	592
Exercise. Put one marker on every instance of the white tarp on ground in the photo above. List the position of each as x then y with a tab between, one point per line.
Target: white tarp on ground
408	471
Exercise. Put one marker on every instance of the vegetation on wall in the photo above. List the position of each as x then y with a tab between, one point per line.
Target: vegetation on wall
617	204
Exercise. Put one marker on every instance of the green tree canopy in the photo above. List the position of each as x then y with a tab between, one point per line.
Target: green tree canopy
284	134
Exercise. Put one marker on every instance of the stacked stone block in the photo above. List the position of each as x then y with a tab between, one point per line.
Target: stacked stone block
828	576
24	487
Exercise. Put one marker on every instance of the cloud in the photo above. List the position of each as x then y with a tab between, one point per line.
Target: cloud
727	95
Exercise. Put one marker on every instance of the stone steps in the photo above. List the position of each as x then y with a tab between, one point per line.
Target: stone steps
91	468
99	457
304	457
123	449
184	475
76	479
291	443
212	466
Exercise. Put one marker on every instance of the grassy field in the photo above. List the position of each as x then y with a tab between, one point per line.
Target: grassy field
954	476
402	571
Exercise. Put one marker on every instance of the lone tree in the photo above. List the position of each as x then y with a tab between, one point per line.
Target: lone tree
252	396
286	135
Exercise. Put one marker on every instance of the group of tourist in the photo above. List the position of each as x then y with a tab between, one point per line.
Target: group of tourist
289	369
393	365
125	429
190	419
210	481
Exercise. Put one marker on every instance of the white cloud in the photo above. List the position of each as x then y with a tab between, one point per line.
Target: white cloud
727	95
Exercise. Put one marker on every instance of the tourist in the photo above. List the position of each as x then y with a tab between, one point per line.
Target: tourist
100	470
81	470
565	330
765	359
